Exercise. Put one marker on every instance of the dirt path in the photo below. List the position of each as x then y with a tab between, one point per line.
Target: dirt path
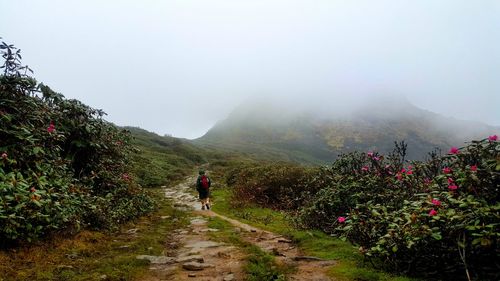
197	257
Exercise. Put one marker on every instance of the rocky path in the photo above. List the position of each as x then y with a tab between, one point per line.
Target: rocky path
196	257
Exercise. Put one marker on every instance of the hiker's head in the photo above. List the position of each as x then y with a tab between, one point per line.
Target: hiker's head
201	172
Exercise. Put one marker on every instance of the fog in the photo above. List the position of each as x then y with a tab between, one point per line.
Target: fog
176	67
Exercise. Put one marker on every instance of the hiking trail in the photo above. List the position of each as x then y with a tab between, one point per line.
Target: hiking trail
193	255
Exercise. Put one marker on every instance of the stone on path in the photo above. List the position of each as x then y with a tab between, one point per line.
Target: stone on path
209	230
196	266
229	277
196	258
156	259
203	244
198	221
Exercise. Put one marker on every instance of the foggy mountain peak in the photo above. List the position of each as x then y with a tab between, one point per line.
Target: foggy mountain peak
316	131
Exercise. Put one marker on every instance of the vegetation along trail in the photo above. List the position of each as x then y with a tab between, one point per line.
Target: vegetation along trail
201	252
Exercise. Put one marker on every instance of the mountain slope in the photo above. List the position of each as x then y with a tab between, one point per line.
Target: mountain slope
161	159
308	135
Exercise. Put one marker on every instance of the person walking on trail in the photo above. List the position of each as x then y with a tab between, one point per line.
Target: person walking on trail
203	187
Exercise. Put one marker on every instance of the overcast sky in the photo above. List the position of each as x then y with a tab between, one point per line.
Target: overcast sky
176	67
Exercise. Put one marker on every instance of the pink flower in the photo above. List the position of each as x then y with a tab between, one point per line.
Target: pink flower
376	158
427	181
51	128
473	168
32	189
450	181
436	202
126	177
403	171
341	219
433	212
370	154
452	186
399	176
493	138
410	167
454	150
447	170
409	172
4	155
387	166
365	168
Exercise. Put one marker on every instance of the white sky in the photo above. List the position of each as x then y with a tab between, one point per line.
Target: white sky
176	67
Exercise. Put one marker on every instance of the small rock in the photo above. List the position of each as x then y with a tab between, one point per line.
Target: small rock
156	259
165	217
150	248
283	240
191	275
196	258
184	232
103	277
196	266
203	244
124	247
198	221
229	277
192	252
209	230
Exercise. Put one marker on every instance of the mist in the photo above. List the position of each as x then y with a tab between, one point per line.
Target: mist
177	67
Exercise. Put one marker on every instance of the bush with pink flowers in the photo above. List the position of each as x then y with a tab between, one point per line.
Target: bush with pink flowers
439	218
62	166
436	218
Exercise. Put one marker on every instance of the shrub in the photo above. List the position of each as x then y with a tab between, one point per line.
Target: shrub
441	217
278	186
62	166
437	219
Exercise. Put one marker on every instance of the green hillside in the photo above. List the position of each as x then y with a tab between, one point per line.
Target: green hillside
161	159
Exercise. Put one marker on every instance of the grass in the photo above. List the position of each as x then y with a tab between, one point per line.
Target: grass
94	255
260	266
350	265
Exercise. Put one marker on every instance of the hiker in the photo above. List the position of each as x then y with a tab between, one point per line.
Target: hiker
203	187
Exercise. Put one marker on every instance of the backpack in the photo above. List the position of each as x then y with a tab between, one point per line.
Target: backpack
205	183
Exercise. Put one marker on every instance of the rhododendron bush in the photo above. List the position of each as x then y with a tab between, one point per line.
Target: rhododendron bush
439	218
62	166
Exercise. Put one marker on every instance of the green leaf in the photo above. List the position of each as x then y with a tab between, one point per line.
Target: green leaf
437	236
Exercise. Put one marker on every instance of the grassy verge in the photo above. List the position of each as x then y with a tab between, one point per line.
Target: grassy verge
350	264
94	255
260	265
